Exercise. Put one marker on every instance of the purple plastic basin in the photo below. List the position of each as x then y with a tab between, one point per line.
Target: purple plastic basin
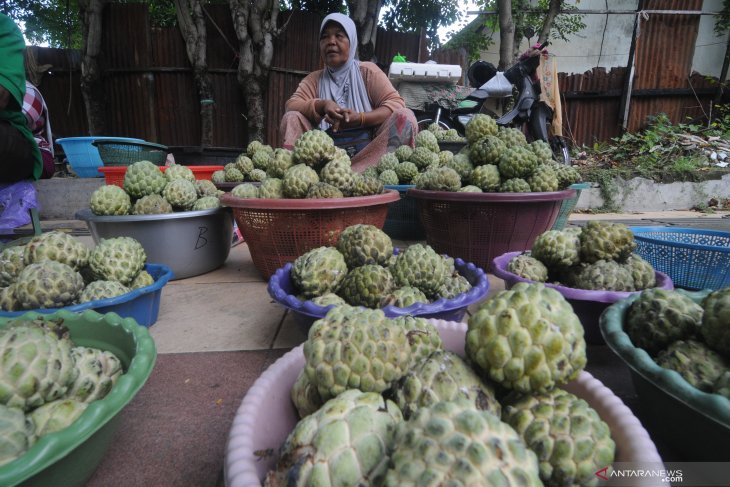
587	304
282	289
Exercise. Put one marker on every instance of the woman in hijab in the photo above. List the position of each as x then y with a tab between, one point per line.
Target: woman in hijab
348	97
20	157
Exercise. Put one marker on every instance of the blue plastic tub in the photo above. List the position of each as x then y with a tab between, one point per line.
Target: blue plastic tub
281	288
403	221
695	259
568	205
143	304
83	156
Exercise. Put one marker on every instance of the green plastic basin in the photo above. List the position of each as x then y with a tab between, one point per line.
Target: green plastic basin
70	456
693	423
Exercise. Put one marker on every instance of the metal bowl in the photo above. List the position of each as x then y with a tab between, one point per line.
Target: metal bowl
188	242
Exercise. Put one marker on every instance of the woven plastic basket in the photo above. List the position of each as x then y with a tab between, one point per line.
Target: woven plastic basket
477	227
403	221
278	231
568	205
695	259
121	153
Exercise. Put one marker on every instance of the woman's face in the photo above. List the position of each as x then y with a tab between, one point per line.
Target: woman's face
334	45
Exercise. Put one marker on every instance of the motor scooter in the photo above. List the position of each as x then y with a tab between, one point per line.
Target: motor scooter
527	109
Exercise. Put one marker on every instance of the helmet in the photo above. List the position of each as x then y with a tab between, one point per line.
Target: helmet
479	73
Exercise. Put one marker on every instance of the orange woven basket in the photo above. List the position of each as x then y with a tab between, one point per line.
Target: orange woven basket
115	174
278	231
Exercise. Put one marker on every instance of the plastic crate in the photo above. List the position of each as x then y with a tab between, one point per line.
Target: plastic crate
115	174
278	231
83	156
121	153
695	259
568	205
403	221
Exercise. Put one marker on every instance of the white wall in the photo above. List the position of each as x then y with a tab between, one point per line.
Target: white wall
606	40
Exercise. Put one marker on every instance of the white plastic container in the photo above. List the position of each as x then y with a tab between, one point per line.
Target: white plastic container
429	72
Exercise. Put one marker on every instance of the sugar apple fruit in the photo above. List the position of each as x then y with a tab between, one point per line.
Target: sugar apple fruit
102	290
245	190
328	299
423	337
314	148
205	187
517	162
362	244
305	396
606	275
695	362
366	285
318	271
642	272
420	266
345	442
528	267
602	240
178	171
527	339
110	199
11	263
206	203
97	372
366	185
36	366
143	178
453	443
180	193
378	352
56	415
486	177
659	317
323	190
512	136
453	285
403	297
152	204
339	174
118	259
271	188
58	246
514	185
443	376
570	439
479	126
48	284
403	152
297	180
143	279
716	320
406	171
428	140
17	433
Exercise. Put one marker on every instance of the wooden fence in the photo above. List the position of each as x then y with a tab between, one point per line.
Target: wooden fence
150	93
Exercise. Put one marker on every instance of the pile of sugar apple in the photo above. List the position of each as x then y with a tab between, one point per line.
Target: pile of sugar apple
46	381
55	269
147	190
598	256
689	336
495	159
382	402
315	168
363	271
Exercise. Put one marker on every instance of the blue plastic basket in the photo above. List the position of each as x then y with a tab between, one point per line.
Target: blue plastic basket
403	221
568	205
83	157
694	258
143	304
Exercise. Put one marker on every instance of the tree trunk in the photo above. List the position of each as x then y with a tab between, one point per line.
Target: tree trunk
90	12
553	11
365	14
506	34
191	19
255	22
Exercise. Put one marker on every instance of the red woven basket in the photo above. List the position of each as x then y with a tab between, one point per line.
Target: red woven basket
477	227
278	231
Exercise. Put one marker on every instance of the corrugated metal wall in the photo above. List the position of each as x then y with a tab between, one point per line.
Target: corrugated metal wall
151	93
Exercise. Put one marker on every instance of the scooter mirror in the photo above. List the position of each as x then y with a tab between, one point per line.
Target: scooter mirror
479	73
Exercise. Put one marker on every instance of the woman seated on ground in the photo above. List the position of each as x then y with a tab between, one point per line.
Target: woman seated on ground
348	95
20	157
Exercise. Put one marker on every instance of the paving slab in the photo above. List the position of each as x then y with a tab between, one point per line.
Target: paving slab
196	317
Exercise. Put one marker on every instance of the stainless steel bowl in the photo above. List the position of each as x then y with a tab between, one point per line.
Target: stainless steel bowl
189	242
